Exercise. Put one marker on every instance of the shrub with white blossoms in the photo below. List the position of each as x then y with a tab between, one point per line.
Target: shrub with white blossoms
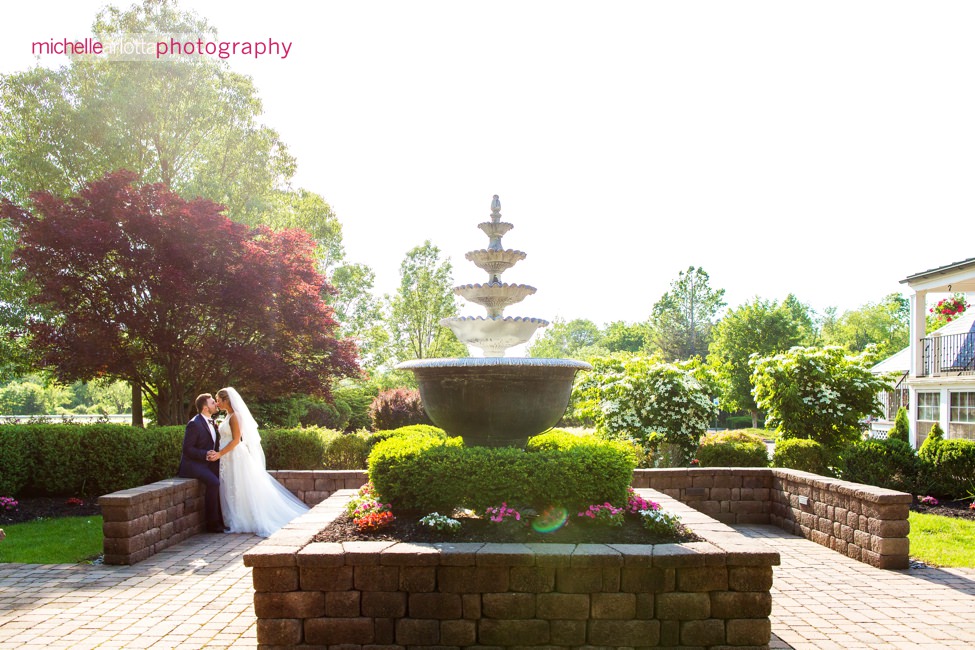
646	400
817	393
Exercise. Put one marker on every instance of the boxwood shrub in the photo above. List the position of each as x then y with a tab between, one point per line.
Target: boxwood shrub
732	449
947	467
428	474
802	454
887	463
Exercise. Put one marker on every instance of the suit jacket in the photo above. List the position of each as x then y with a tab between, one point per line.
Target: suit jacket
196	443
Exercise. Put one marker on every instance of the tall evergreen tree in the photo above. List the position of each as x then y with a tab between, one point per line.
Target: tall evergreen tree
683	317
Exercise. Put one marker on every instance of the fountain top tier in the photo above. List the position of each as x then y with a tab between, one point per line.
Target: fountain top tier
496	333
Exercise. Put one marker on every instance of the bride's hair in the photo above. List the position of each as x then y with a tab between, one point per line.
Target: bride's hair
223	394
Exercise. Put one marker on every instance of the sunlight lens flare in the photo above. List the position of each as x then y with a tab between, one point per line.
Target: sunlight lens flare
550	520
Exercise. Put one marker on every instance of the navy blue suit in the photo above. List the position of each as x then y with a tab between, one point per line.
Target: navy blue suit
194	464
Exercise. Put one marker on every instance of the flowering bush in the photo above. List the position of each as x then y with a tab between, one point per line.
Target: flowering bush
503	514
659	522
374	520
950	308
605	515
644	399
635	503
817	393
695	462
441	522
929	501
8	503
74	501
971	506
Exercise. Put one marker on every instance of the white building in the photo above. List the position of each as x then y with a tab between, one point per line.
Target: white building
937	372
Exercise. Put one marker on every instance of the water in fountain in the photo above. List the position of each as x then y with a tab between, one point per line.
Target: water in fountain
495	401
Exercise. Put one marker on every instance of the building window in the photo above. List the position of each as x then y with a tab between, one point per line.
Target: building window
961	415
929	407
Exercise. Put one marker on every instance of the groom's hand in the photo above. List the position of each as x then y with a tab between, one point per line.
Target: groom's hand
211	456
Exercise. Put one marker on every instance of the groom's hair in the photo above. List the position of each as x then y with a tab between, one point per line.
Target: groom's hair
201	401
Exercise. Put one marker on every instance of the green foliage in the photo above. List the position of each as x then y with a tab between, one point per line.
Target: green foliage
760	328
683	317
884	325
396	408
422	430
901	429
15	459
431	475
424	298
347	451
732	449
645	400
818	393
742	422
884	463
802	454
296	448
564	340
358	398
948	466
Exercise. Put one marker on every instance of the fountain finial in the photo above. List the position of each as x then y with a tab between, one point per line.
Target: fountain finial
495	209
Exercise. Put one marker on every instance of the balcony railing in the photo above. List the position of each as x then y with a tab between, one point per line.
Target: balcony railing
950	353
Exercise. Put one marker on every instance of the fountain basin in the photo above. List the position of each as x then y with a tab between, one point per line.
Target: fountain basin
495	402
494	296
493	335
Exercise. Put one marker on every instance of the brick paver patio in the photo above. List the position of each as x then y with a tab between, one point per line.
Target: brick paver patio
198	594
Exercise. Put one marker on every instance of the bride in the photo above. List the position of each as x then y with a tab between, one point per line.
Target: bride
252	501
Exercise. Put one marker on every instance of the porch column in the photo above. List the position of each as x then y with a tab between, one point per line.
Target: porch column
918	326
912	415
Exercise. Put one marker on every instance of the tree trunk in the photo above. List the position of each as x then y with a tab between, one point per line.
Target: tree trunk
754	415
136	405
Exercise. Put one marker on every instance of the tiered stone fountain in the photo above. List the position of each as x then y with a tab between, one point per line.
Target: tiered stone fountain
494	400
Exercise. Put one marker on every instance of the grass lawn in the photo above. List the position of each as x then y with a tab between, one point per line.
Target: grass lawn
942	541
64	540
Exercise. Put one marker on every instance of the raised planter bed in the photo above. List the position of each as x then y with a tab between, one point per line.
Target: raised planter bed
703	594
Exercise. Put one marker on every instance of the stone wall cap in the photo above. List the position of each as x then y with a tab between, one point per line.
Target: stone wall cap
551	555
364	553
143	493
458	553
504	555
671	556
595	555
410	554
266	555
322	554
635	555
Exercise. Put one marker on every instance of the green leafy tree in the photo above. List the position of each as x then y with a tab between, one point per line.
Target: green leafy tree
822	394
683	317
624	337
33	395
884	324
645	400
424	298
760	327
358	312
565	339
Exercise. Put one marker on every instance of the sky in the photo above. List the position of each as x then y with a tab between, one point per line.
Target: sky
820	148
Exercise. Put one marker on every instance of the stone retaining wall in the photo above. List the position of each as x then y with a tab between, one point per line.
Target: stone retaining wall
863	522
140	522
706	594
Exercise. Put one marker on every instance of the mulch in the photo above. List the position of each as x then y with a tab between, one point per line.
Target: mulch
31	508
957	509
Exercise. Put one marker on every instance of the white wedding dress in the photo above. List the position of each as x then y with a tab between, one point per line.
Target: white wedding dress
252	501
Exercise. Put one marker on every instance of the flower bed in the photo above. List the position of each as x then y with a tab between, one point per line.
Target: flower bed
705	594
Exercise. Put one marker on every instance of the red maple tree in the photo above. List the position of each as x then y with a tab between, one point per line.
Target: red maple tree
136	283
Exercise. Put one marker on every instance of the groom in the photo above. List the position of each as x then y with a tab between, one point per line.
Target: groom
199	440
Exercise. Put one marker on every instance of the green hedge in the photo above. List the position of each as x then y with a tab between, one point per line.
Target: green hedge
887	463
947	467
428	474
732	449
94	459
802	454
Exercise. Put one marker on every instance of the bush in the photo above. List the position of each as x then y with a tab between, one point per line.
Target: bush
319	413
901	430
427	474
296	448
347	451
423	430
947	466
802	454
358	399
743	422
396	408
732	449
885	463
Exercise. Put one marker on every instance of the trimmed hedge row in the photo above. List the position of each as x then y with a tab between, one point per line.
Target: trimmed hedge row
732	449
432	474
95	459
